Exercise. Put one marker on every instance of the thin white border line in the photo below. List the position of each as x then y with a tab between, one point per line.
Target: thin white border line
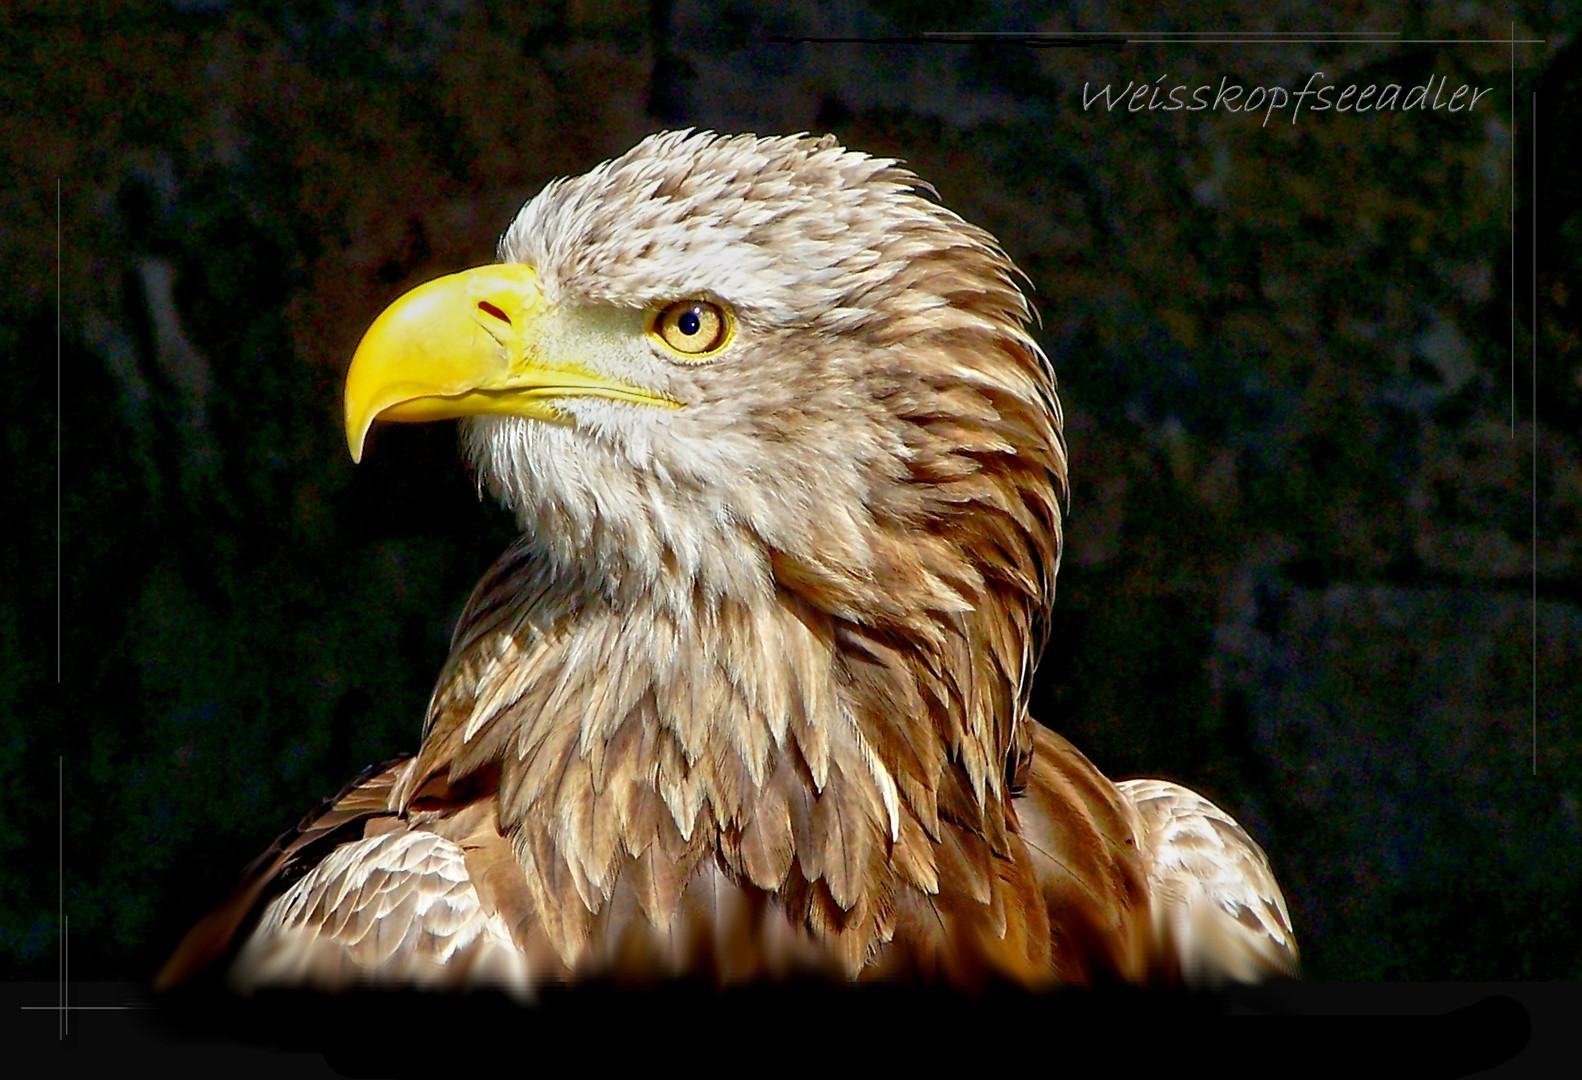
58	572
62	922
1535	431
60	883
1226	37
1336	41
1162	33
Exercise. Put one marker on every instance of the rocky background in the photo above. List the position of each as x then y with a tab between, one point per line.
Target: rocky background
1316	488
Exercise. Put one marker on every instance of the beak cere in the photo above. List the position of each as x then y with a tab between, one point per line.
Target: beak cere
463	345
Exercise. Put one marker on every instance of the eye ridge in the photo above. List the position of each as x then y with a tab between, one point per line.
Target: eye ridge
696	329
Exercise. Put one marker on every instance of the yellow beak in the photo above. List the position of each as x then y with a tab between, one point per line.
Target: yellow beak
463	345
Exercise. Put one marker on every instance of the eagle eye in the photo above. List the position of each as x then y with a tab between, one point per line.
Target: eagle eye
696	329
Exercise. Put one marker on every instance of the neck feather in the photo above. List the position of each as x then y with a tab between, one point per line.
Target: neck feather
633	743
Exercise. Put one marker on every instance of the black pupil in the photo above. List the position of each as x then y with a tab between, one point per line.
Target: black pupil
690	322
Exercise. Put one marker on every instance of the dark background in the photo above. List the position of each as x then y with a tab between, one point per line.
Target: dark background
1301	557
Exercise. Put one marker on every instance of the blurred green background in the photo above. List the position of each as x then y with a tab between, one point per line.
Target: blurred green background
1307	467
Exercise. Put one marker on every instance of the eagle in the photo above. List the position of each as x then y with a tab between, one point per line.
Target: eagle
748	699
